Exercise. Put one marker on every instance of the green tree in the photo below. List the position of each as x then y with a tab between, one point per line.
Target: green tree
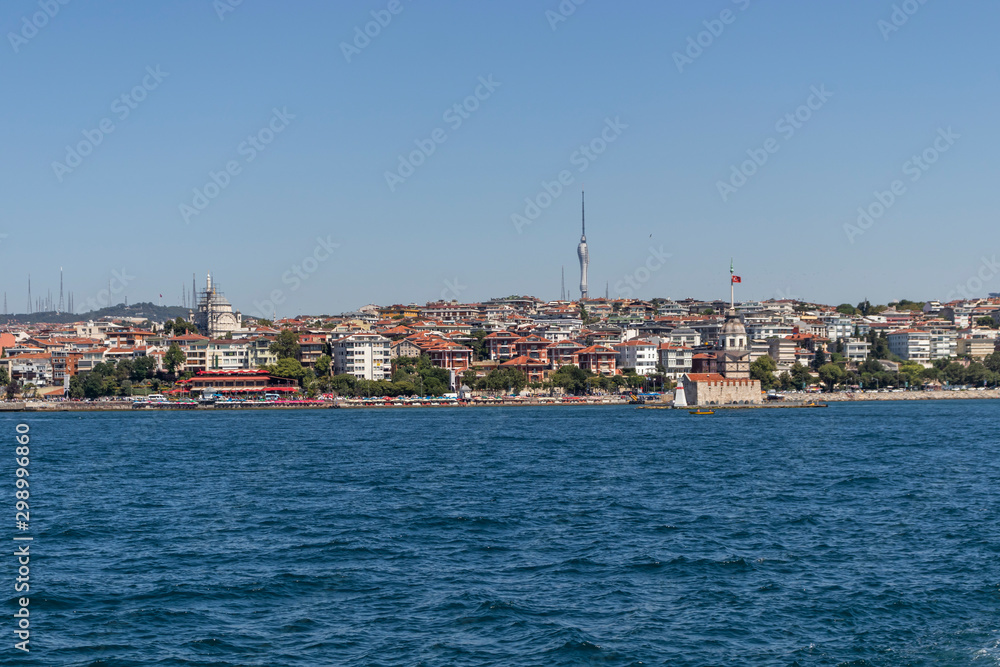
503	380
763	369
288	367
4	376
75	387
572	379
344	384
912	372
954	373
831	375
819	359
871	365
286	345
801	375
985	322
93	385
708	311
975	374
322	366
173	358
480	351
786	382
991	362
143	368
848	309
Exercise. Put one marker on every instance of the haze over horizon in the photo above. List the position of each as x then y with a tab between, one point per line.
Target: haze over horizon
165	139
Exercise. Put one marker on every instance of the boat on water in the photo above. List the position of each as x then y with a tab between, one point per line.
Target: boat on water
701	412
814	404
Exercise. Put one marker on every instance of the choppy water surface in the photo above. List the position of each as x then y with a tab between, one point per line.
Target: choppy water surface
855	535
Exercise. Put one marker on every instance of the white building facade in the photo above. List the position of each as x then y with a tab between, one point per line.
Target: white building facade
365	356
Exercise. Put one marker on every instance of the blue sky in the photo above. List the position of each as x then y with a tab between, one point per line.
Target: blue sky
447	229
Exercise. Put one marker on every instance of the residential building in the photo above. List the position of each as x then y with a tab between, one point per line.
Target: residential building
598	359
911	345
640	355
366	356
974	346
943	344
676	359
856	349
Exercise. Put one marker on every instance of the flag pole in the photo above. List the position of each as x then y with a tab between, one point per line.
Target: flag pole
732	289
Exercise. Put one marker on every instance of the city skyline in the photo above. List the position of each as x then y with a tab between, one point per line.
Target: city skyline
844	170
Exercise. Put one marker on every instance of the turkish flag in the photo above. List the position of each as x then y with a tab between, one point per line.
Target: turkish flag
737	279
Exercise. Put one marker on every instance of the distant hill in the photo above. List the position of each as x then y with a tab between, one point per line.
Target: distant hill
147	310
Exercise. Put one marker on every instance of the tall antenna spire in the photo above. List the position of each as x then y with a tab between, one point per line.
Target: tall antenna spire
62	304
29	294
562	293
583	252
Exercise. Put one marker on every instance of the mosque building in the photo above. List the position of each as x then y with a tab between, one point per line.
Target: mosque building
214	316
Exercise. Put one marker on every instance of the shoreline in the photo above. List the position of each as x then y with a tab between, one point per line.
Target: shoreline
795	400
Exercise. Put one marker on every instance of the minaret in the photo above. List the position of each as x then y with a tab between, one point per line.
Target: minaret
582	251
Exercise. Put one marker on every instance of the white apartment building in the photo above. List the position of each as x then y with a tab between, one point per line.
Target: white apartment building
768	329
676	359
944	344
685	336
227	355
856	349
782	350
641	355
838	326
911	345
366	356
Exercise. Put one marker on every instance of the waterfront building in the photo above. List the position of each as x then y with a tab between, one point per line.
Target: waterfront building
731	384
598	359
245	383
366	356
